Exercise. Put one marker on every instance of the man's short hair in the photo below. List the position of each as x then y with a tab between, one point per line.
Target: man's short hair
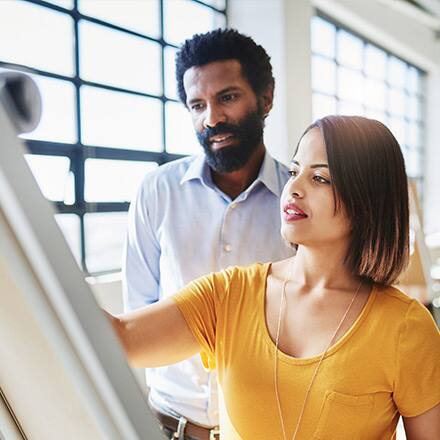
225	44
367	169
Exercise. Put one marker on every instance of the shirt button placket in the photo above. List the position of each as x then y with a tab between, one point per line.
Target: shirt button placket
225	236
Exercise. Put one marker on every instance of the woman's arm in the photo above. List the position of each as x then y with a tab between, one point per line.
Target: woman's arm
155	335
426	426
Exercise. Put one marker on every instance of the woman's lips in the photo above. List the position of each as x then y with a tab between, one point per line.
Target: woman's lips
292	212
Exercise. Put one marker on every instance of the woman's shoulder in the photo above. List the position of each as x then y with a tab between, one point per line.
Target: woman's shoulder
251	273
397	304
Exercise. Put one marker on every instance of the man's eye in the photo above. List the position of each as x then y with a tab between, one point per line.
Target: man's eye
196	107
320	179
228	97
293	173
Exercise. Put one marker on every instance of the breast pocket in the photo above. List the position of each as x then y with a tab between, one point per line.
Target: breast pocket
343	416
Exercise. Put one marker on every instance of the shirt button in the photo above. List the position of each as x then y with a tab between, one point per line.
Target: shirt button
234	205
228	248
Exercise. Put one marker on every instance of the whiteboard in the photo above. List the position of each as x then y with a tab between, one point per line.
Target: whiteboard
63	373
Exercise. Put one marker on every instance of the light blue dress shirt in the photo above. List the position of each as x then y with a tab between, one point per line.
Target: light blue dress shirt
180	227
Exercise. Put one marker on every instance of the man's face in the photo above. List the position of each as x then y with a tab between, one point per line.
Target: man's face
226	114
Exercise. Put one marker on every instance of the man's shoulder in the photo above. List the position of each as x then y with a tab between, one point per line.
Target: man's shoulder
170	172
281	167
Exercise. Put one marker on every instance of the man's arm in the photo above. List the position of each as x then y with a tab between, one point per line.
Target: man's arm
426	426
156	335
140	265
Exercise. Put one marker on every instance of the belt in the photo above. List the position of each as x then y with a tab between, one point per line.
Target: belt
183	428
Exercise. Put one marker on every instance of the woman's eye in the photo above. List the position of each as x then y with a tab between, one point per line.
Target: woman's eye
320	179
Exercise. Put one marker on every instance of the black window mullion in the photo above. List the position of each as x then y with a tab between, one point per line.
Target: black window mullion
78	163
79	153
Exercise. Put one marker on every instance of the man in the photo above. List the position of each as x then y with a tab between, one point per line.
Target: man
204	213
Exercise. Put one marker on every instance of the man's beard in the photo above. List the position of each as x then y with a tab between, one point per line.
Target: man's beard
248	135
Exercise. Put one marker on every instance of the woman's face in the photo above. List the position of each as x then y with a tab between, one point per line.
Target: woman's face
307	203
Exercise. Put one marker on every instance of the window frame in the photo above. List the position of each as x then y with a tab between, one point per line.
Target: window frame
78	152
421	95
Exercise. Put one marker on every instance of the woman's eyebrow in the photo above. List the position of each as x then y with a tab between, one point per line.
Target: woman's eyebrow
315	165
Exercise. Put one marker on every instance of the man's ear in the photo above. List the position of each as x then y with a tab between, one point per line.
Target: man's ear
267	100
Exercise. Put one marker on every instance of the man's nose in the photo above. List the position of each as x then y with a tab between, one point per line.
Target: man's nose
214	115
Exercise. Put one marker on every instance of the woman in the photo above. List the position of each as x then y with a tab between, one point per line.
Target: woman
319	345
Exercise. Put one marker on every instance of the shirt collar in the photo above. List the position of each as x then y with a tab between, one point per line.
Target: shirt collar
267	175
198	169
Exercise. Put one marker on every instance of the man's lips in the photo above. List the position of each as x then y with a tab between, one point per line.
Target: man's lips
292	212
221	140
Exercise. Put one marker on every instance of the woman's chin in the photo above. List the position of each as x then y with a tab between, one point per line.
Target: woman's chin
291	238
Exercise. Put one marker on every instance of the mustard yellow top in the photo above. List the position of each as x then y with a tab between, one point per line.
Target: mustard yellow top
387	363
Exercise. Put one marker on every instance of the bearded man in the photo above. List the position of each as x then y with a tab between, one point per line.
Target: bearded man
203	213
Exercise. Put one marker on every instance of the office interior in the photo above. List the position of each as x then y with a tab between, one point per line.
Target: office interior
111	114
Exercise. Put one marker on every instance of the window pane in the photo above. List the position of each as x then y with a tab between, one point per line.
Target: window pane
53	176
141	16
181	137
414	135
58	120
70	226
184	18
104	235
323	75
323	36
68	4
396	102
350	85
323	106
219	4
413	162
37	37
397	126
120	120
375	62
118	59
378	115
375	94
414	108
350	108
350	50
414	79
114	180
397	72
170	72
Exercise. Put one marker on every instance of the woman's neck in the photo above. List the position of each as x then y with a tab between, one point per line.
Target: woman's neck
322	268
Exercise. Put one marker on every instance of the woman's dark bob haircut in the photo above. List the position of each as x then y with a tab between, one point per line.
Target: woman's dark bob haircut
369	181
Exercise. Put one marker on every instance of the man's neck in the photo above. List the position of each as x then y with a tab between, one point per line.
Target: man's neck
235	182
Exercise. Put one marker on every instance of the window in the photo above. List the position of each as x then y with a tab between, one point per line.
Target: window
105	70
353	76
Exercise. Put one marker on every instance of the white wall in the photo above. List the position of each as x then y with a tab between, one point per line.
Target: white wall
282	28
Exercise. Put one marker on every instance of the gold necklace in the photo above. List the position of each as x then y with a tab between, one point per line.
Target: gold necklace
277	394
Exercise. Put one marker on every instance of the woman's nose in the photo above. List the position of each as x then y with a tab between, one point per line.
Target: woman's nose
294	187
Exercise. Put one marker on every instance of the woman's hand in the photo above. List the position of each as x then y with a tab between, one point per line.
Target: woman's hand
155	335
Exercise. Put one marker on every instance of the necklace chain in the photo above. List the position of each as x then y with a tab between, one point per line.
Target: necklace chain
315	373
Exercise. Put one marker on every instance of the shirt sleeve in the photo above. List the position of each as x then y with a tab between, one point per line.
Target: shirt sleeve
417	387
199	302
140	260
